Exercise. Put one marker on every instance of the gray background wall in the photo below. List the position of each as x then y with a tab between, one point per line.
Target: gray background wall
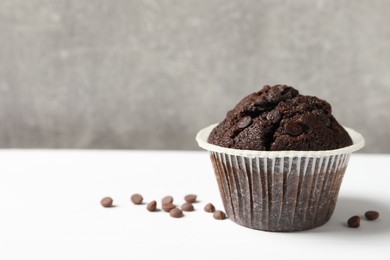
149	74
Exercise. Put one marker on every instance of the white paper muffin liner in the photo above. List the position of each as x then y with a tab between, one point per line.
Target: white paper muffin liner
279	190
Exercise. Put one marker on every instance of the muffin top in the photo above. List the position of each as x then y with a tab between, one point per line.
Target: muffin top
278	118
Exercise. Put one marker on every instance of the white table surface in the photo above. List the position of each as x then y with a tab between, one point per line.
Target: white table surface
50	209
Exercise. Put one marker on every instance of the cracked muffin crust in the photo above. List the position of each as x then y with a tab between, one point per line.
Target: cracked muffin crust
278	118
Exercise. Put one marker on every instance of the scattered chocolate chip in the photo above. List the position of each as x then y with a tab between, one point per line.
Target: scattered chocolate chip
293	128
176	213
244	122
167	200
187	206
167	207
209	208
136	198
219	215
371	215
106	202
354	222
152	206
191	198
274	116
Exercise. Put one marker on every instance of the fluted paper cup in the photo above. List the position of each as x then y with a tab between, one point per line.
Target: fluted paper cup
279	190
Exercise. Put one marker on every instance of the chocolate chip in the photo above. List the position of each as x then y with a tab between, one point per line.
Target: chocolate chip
176	213
293	128
167	207
371	215
286	95
191	198
152	206
136	198
354	222
274	116
266	87
167	200
262	101
219	215
106	202
209	208
187	206
244	122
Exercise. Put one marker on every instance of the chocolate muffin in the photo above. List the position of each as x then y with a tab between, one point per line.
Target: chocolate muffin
279	159
278	118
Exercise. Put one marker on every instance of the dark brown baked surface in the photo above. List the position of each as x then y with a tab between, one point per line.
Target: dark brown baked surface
279	118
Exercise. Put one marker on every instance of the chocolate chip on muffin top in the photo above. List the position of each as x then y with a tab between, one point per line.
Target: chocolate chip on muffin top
279	118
